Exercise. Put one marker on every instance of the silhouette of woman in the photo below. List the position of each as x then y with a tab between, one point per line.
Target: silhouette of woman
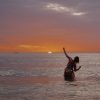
71	67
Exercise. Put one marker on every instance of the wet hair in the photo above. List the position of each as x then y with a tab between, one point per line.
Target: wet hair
76	59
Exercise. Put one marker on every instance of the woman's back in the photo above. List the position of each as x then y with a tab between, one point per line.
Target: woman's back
71	65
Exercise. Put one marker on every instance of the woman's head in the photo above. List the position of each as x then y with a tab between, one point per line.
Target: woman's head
76	59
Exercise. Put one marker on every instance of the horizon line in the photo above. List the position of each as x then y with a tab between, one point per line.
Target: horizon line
52	52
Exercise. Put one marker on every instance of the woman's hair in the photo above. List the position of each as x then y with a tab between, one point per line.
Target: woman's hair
76	59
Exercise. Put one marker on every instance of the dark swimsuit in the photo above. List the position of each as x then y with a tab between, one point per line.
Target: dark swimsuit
69	71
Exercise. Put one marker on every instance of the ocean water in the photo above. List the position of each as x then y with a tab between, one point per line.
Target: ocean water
39	76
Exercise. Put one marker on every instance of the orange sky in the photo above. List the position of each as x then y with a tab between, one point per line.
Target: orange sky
42	26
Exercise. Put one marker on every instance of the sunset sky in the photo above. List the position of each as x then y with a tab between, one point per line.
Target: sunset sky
49	25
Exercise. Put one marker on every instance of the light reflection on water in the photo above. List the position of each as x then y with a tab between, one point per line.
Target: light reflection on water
40	77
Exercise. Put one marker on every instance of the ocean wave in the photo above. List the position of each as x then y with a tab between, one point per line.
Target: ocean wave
7	73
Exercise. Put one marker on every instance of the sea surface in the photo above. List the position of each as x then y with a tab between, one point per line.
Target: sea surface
39	76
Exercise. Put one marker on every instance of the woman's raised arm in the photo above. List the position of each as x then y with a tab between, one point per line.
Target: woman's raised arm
66	54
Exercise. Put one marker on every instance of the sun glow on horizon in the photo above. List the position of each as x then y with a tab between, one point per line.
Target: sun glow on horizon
49	52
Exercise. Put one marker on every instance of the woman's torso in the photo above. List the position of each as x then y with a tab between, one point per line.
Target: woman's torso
70	65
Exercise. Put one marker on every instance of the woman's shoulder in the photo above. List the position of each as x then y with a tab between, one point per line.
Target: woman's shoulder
70	59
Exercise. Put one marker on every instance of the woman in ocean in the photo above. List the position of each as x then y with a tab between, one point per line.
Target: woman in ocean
71	67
